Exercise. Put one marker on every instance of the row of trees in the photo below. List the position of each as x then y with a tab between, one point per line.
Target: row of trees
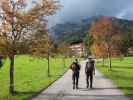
23	28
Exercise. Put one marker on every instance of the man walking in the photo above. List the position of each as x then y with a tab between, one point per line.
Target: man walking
75	67
89	71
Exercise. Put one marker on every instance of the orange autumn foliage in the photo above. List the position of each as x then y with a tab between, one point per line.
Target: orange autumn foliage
106	35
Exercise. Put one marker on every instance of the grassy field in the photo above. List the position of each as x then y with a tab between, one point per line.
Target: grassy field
121	75
30	76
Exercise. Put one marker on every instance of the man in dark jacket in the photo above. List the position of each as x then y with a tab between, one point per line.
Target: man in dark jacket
75	67
89	71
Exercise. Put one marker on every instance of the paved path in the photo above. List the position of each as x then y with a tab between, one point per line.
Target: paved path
62	89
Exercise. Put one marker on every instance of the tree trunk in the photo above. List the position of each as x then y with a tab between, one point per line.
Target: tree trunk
109	55
103	62
48	65
64	64
11	87
110	61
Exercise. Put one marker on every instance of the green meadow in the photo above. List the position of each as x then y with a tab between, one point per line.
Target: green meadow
121	74
30	76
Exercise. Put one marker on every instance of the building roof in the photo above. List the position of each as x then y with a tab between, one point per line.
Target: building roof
76	42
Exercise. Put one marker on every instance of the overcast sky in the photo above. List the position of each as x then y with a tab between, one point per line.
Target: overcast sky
79	9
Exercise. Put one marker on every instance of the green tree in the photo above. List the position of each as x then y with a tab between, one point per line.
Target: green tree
88	41
126	42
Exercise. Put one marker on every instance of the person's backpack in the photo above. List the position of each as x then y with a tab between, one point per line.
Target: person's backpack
77	65
89	66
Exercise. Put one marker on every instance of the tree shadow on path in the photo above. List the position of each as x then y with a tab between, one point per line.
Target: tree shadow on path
91	89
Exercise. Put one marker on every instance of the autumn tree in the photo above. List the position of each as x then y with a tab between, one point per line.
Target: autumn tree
64	50
42	46
18	22
106	33
99	50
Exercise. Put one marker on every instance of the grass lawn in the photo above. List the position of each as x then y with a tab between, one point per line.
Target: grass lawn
30	76
121	75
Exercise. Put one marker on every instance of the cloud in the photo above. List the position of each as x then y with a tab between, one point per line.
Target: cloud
79	9
126	13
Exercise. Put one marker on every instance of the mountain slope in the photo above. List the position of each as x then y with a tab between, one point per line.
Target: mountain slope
76	31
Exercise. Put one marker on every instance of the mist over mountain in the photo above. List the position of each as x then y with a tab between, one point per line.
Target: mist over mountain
77	31
75	10
70	23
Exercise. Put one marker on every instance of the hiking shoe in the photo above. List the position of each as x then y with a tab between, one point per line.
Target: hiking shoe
73	87
87	86
91	87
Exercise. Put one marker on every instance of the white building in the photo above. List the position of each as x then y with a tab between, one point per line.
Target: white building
77	49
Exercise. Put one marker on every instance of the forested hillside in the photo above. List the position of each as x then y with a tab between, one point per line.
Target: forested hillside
75	31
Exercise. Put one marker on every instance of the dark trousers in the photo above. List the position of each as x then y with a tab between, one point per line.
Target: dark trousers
89	79
75	78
